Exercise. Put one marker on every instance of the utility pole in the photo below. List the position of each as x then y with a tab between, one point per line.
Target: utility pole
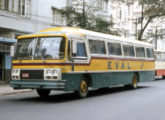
156	37
83	18
142	16
84	14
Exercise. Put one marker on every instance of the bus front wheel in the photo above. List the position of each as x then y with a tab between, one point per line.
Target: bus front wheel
43	93
82	91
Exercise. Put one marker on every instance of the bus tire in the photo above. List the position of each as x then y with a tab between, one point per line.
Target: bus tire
82	91
135	80
134	83
43	93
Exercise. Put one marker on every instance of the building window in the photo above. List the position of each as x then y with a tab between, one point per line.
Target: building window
21	7
99	3
4	4
103	5
58	18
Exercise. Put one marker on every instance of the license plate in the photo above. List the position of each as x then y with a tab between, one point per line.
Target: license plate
25	75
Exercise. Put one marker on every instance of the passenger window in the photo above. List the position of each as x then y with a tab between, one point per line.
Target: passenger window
97	47
114	49
81	50
149	52
129	50
140	52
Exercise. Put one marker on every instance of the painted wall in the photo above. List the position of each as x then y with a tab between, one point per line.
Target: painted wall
7	61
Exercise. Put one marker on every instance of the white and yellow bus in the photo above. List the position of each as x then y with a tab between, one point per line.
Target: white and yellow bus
159	63
73	59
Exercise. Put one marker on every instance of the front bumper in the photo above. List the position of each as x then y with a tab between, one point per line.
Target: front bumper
30	84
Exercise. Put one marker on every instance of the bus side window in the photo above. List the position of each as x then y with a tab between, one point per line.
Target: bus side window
97	47
81	50
114	49
140	52
129	50
149	52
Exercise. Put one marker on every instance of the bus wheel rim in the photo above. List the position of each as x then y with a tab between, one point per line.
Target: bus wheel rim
134	81
83	87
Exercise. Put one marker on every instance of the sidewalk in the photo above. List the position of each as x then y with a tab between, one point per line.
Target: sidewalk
5	89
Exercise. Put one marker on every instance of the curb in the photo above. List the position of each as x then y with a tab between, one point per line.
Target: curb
15	92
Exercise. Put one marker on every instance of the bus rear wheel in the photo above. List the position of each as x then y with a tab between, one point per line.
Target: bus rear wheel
43	93
134	81
82	92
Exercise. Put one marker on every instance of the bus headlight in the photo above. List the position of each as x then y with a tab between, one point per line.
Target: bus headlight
15	74
52	74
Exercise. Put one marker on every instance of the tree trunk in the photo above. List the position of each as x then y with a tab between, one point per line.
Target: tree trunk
142	31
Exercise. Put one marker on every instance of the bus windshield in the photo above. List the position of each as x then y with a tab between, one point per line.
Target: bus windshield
45	48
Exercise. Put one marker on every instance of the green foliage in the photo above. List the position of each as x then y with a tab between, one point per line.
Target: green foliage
75	17
152	9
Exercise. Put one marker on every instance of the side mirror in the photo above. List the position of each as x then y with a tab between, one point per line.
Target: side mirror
12	51
74	48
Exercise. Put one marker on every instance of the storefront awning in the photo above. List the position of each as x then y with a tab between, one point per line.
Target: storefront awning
7	40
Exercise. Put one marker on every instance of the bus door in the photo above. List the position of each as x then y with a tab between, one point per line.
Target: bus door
78	51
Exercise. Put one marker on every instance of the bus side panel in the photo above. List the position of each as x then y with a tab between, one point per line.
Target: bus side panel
145	76
72	81
100	80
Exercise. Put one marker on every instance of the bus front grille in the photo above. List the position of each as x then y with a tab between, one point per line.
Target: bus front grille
32	74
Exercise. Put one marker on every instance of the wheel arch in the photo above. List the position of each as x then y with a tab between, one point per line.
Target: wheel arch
138	75
88	78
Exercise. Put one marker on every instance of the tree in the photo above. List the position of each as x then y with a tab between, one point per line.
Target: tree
82	15
152	9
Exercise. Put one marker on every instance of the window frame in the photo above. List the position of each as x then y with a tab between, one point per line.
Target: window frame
152	58
144	52
118	56
78	58
57	17
82	57
127	44
98	54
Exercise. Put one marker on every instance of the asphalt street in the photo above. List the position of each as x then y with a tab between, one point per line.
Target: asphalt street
147	102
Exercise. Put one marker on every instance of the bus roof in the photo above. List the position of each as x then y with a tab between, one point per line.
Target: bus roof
74	31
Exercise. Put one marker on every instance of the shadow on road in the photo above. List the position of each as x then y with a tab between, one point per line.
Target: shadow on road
66	97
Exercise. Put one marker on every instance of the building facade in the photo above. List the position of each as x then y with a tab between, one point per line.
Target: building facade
127	18
19	17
